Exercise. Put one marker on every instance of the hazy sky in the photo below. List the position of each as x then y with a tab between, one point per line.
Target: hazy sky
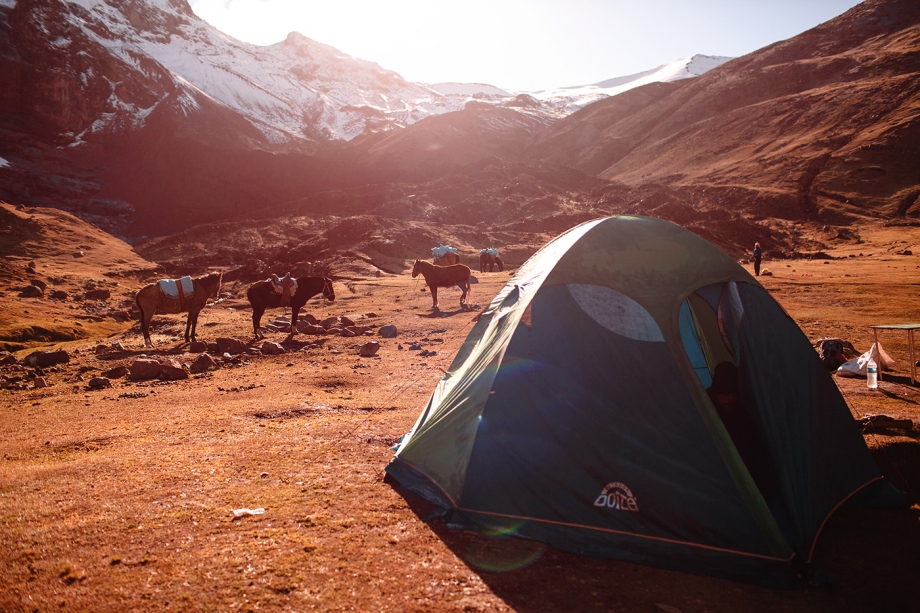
522	44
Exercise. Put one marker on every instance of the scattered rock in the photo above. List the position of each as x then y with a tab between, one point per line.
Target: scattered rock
203	363
307	318
232	346
31	291
415	347
47	358
143	369
348	333
310	329
426	354
39	284
97	294
78	254
58	295
212	348
171	370
329	322
388	331
281	325
98	383
198	347
347	321
369	349
115	373
39	382
7	358
270	348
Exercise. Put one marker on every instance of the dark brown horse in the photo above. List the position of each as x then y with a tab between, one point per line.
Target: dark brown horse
261	296
150	300
443	276
487	259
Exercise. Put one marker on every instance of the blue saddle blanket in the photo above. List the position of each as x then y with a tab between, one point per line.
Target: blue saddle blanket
170	287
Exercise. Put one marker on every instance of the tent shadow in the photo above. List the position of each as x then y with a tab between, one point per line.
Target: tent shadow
869	555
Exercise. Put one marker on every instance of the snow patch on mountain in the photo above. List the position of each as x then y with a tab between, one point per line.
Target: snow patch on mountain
567	100
297	88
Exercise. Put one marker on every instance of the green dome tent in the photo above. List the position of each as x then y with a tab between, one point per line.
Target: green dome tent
578	412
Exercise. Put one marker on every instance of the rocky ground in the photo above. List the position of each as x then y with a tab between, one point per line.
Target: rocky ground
125	497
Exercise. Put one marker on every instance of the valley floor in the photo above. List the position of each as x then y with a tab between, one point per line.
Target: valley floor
123	498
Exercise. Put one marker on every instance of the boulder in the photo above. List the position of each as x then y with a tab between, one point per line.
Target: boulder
388	331
232	346
347	321
144	368
358	330
348	333
307	318
115	373
97	294
47	358
58	294
203	363
39	284
171	370
198	347
329	322
31	291
270	348
7	358
369	349
212	348
99	383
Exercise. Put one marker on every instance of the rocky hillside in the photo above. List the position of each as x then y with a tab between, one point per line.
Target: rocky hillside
824	126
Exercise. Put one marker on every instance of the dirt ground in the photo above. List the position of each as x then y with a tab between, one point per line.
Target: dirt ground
123	498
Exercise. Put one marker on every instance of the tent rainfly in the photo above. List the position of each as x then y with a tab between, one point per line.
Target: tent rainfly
584	410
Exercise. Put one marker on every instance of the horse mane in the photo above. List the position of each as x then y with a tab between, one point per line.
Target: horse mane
209	279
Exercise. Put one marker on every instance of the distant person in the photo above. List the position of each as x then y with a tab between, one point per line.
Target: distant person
756	256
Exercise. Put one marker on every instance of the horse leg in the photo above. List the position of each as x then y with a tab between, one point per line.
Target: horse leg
295	311
463	287
434	297
145	326
193	321
256	319
188	325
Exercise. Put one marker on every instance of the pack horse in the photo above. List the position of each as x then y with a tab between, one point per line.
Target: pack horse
176	296
284	291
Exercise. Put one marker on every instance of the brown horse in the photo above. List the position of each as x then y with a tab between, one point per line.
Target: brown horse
261	296
448	259
487	259
443	276
150	300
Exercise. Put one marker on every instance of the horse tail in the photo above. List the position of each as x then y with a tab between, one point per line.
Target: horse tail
137	301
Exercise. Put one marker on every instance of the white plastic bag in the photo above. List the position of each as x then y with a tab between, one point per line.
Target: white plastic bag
857	367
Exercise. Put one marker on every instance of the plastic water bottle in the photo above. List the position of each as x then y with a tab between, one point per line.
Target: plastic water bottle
872	374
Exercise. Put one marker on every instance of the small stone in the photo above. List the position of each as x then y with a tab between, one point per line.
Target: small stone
203	363
143	369
230	345
115	373
98	383
388	331
47	358
39	382
31	291
369	349
271	348
197	347
171	370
